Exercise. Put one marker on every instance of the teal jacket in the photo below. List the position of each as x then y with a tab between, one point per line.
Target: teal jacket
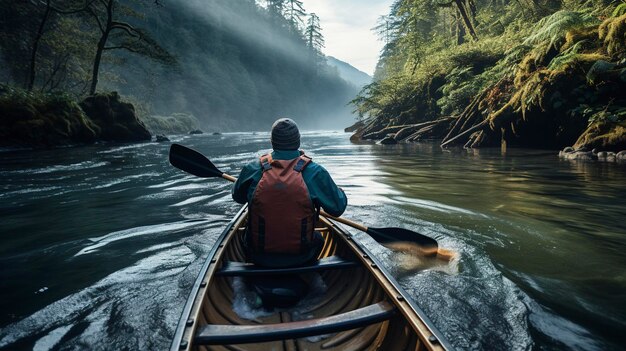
322	189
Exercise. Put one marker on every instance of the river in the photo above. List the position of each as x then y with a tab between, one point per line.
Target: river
99	245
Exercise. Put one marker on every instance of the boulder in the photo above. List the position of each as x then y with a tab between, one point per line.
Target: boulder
116	119
621	156
161	138
196	131
580	155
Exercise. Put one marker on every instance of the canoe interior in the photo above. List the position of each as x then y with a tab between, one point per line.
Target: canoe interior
347	289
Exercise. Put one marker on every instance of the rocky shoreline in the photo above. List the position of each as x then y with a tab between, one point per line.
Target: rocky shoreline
583	154
46	121
41	121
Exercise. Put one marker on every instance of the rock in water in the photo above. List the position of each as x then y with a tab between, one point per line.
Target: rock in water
161	138
116	119
196	131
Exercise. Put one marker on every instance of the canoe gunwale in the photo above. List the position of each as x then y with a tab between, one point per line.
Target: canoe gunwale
398	293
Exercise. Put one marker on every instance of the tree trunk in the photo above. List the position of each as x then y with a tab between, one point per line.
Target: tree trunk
466	19
100	49
33	56
96	63
460	30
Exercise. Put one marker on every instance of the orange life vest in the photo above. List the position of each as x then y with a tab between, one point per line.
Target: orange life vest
282	216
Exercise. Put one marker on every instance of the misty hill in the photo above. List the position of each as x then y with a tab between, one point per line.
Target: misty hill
239	69
349	73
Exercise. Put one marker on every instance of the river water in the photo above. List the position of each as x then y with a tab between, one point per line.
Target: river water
99	245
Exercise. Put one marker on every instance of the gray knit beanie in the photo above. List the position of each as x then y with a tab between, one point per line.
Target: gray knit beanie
285	135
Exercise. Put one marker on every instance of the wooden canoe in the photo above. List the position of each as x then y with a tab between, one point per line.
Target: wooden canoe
362	308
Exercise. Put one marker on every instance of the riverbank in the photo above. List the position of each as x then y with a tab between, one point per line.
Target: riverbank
558	82
53	120
35	120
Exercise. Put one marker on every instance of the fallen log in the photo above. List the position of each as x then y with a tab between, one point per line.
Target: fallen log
404	133
478	126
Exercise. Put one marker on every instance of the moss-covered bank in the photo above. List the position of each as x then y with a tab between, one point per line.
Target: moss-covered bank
558	82
52	120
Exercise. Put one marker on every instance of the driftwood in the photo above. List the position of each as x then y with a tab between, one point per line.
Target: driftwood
469	114
353	128
478	126
433	131
369	127
406	132
380	134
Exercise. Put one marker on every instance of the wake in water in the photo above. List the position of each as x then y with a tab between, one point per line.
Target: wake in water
136	307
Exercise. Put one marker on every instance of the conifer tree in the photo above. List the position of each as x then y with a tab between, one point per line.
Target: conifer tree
313	35
294	13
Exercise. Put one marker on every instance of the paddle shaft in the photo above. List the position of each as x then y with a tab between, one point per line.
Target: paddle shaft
345	221
229	177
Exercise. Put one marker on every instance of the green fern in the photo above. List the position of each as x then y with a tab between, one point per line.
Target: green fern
552	29
619	10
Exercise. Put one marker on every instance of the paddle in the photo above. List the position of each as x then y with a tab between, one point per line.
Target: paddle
193	162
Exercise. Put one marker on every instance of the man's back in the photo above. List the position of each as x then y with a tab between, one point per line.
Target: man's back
322	189
284	191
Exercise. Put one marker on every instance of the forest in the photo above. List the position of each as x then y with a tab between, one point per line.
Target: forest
161	66
529	73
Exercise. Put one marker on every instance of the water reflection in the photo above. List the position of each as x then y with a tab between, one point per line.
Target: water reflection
555	228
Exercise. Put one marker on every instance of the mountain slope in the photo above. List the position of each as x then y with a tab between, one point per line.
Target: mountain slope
349	73
240	69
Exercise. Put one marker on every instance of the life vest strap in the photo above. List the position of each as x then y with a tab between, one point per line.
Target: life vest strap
302	163
266	162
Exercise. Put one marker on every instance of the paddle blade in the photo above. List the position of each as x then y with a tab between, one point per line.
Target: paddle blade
389	235
192	162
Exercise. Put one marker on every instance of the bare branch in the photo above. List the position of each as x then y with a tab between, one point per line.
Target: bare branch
121	47
95	15
127	28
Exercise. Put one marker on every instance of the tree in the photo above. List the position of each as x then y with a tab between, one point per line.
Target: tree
465	11
123	36
313	34
49	8
294	12
276	8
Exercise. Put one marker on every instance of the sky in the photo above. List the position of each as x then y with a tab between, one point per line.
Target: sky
347	29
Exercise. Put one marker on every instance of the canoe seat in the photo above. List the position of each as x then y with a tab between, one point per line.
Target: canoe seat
214	334
242	269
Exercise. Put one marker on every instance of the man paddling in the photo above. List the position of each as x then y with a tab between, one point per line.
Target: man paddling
285	190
